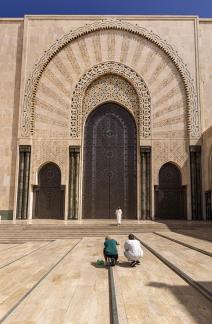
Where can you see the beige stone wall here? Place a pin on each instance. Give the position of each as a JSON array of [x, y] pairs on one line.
[[205, 50], [11, 34], [42, 31], [53, 119]]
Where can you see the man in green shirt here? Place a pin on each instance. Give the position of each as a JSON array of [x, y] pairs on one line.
[[110, 250]]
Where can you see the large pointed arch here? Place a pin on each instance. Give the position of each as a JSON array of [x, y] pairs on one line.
[[32, 83], [125, 77]]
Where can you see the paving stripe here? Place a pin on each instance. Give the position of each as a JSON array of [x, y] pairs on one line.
[[35, 285], [25, 255], [179, 272], [10, 247], [112, 298], [184, 244]]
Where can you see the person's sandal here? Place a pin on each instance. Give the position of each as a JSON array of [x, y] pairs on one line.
[[133, 264]]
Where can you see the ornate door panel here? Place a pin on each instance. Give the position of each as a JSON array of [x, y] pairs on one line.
[[49, 194], [110, 165], [170, 195]]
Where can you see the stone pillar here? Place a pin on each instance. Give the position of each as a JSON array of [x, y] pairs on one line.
[[145, 152], [208, 204], [23, 181], [196, 182], [74, 160]]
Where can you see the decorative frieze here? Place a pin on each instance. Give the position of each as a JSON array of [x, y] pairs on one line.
[[49, 151], [169, 151], [110, 87], [169, 53], [138, 91]]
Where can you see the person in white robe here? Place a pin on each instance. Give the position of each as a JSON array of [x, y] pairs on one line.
[[118, 215], [133, 250]]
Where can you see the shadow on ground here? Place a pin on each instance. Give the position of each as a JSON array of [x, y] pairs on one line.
[[191, 299]]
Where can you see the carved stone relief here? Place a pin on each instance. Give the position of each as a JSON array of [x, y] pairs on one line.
[[111, 87], [28, 113], [49, 151], [169, 151]]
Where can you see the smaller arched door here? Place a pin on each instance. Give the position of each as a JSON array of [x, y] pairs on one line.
[[170, 195], [49, 194]]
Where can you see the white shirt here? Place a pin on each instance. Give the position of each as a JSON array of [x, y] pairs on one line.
[[133, 247]]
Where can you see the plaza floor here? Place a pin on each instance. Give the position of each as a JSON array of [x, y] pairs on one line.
[[58, 281]]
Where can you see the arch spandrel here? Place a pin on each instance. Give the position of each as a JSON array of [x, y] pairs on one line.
[[61, 79]]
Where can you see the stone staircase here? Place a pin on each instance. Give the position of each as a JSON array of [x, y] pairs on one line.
[[19, 233]]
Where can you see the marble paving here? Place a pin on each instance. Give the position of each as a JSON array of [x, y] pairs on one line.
[[153, 293], [195, 264], [195, 242], [58, 282]]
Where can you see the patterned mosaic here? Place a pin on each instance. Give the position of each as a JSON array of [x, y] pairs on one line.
[[111, 87], [169, 151], [49, 151]]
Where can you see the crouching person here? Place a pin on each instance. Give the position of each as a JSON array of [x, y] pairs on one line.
[[133, 250], [110, 250]]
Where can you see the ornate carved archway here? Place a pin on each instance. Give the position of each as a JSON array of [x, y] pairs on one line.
[[111, 81], [49, 194], [170, 195], [32, 83]]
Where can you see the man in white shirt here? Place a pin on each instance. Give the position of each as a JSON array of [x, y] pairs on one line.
[[133, 250]]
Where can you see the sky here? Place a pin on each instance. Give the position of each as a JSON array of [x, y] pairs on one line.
[[19, 8]]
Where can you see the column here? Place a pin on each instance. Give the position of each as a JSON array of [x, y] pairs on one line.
[[145, 152], [74, 160], [208, 204], [23, 181], [196, 182]]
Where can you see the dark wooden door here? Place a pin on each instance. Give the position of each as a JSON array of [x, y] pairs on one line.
[[110, 163], [170, 195], [49, 194]]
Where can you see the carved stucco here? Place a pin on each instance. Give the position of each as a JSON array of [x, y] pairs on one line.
[[49, 151], [170, 151], [28, 113], [111, 81]]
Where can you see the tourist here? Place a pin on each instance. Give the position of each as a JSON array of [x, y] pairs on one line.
[[133, 250], [118, 215], [110, 250]]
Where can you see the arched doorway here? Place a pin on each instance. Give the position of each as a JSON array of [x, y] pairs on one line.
[[170, 195], [110, 163], [49, 194]]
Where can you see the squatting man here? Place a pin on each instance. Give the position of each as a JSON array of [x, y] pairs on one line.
[[132, 250]]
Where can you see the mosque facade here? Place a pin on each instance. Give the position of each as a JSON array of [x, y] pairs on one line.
[[98, 112]]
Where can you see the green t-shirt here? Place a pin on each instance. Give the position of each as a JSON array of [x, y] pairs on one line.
[[110, 247]]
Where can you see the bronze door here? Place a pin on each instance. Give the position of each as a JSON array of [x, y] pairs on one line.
[[170, 195], [49, 194], [110, 163]]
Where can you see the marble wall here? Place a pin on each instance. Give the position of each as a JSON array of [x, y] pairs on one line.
[[28, 43], [11, 35], [205, 50]]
